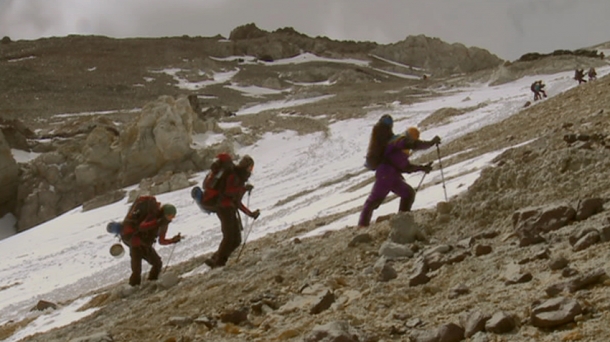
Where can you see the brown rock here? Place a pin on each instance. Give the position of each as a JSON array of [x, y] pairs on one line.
[[577, 283], [419, 276], [574, 237], [488, 234], [474, 322], [589, 207], [558, 263], [234, 316], [555, 312], [450, 333], [604, 234], [458, 290], [325, 301], [333, 331], [586, 241], [424, 336], [568, 272], [43, 305], [457, 257], [387, 273], [529, 223], [500, 323], [482, 250], [521, 278], [435, 261], [360, 238], [466, 243]]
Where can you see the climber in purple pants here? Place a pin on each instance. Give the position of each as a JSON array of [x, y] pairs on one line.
[[388, 175]]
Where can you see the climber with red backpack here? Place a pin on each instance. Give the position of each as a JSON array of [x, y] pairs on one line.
[[223, 189], [145, 221], [208, 196], [388, 174]]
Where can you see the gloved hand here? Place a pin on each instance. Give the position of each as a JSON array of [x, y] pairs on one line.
[[436, 140], [426, 168], [255, 214], [249, 187], [176, 238]]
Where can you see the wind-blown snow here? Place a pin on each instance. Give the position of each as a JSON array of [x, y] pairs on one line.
[[410, 67], [309, 57], [280, 104], [67, 257], [255, 91]]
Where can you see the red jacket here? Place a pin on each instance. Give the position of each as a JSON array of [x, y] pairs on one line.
[[234, 191]]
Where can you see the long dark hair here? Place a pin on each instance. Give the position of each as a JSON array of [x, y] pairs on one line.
[[380, 136]]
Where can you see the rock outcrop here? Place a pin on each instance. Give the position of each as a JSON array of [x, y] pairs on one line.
[[437, 56], [9, 177], [110, 157]]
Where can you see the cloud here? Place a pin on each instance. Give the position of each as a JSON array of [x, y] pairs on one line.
[[507, 28]]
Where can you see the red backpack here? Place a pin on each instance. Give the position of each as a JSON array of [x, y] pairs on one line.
[[209, 195], [141, 209]]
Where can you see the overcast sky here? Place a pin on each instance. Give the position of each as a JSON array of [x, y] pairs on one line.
[[508, 28]]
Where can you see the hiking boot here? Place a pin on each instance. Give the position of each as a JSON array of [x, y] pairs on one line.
[[211, 263]]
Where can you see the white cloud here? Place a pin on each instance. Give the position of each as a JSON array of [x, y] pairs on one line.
[[507, 28]]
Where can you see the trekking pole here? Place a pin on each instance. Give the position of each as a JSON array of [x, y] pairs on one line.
[[438, 151], [247, 231], [420, 182], [170, 257]]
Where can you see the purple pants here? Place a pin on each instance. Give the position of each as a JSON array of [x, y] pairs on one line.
[[386, 180]]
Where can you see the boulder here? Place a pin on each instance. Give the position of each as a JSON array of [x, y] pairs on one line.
[[474, 322], [404, 229], [529, 223], [555, 312], [500, 323], [333, 331], [161, 135]]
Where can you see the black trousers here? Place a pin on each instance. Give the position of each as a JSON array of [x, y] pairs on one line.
[[231, 235], [149, 254]]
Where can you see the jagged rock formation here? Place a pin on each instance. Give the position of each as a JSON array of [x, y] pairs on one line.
[[102, 156], [440, 57]]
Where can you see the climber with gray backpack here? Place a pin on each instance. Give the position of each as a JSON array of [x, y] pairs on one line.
[[392, 159]]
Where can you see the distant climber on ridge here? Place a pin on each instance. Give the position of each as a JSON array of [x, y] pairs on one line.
[[592, 74], [538, 88], [579, 75]]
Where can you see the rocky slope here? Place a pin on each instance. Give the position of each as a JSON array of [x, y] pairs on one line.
[[535, 220], [520, 256]]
